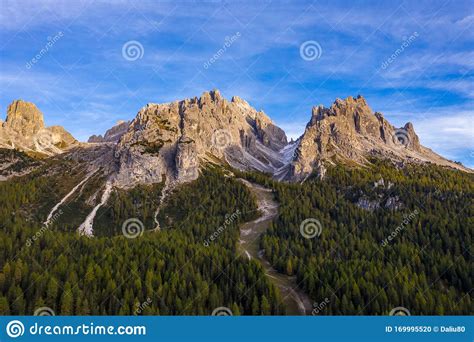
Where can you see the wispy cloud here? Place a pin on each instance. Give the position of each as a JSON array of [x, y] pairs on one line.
[[451, 135], [85, 84]]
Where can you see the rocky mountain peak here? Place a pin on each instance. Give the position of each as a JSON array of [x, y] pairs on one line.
[[24, 118], [407, 137], [172, 139], [24, 130], [208, 97], [112, 135], [240, 102], [349, 132], [350, 105]]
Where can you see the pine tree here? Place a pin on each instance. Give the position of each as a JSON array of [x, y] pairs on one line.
[[67, 301]]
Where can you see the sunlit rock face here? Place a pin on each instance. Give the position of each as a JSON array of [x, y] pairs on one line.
[[24, 129], [173, 140], [350, 132]]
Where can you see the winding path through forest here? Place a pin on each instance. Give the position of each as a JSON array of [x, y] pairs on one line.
[[295, 300]]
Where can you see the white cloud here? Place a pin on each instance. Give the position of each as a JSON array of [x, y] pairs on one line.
[[293, 130], [447, 134]]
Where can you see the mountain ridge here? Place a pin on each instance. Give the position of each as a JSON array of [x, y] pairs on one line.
[[172, 141]]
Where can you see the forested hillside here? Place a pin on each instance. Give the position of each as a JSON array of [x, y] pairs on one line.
[[170, 272], [389, 237], [353, 266]]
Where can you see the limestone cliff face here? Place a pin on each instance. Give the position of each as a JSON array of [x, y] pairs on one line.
[[112, 135], [349, 132], [24, 118], [24, 130], [172, 140]]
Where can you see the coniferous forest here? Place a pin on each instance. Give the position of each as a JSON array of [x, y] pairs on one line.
[[170, 270], [352, 265], [427, 264]]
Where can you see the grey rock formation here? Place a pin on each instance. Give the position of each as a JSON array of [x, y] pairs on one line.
[[24, 130], [24, 118], [112, 135], [172, 140], [350, 132]]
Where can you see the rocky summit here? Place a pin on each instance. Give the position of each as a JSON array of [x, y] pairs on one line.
[[24, 130], [350, 132], [173, 141], [112, 135]]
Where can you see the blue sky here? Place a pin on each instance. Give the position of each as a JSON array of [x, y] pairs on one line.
[[85, 81]]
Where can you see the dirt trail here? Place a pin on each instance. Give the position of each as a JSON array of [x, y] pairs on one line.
[[295, 300]]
